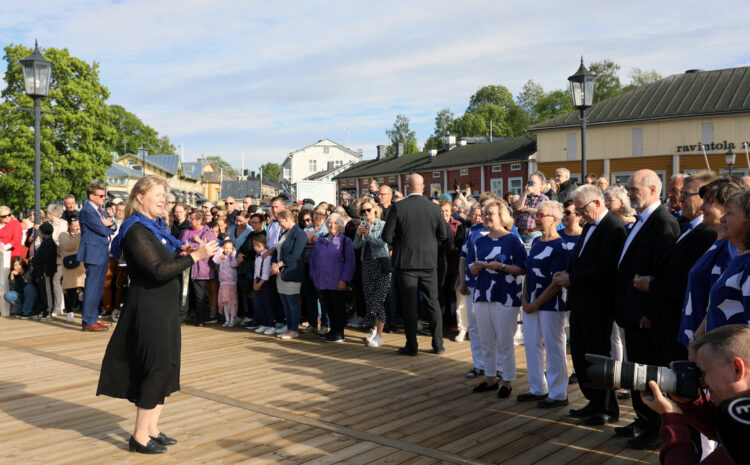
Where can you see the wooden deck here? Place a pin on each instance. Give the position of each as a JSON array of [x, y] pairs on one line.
[[249, 398]]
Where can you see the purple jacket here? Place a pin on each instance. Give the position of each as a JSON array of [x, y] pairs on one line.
[[329, 264], [203, 269]]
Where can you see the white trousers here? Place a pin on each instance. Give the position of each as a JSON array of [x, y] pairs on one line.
[[550, 327], [462, 318], [475, 339], [497, 326], [57, 291], [618, 343]]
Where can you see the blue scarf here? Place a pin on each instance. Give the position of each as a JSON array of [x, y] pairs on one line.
[[157, 227]]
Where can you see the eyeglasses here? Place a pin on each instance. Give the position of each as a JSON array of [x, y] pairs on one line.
[[366, 210], [687, 195], [308, 220], [543, 215], [568, 213], [579, 210], [5, 216], [101, 196]]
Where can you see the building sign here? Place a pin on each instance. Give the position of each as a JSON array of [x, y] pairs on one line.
[[713, 146]]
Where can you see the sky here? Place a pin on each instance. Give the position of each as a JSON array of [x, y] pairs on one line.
[[267, 78]]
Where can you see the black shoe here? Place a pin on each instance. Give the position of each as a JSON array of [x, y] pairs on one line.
[[405, 351], [438, 351], [484, 387], [552, 403], [164, 440], [504, 392], [333, 338], [584, 412], [528, 397], [390, 329], [573, 379], [152, 447], [646, 441], [474, 372], [599, 419], [211, 321], [631, 430]]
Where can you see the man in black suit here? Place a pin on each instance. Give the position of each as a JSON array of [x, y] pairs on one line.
[[414, 229], [651, 237], [666, 289], [589, 279]]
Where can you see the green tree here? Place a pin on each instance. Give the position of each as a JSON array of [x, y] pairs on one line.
[[75, 139], [434, 142], [443, 122], [271, 171], [493, 94], [220, 164], [470, 125], [401, 133], [641, 77], [527, 99], [132, 134], [607, 83], [553, 104]]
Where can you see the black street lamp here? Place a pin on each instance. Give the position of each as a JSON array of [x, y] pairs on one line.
[[730, 158], [37, 73], [582, 92]]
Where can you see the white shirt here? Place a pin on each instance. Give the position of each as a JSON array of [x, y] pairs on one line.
[[591, 230], [262, 267], [644, 215], [695, 222]]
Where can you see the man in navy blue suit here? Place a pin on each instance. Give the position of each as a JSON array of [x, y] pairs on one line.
[[94, 253]]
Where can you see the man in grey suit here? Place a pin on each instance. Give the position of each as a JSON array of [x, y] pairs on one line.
[[414, 229]]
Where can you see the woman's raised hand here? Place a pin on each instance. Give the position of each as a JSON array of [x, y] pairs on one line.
[[206, 249]]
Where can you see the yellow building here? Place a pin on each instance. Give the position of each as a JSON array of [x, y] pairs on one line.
[[664, 126]]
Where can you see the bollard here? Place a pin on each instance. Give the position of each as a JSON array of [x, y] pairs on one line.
[[4, 272]]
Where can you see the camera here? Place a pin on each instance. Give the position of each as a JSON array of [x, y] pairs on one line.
[[363, 221], [683, 379]]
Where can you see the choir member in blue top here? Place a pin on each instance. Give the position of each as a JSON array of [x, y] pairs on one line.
[[545, 312], [498, 260], [571, 221], [729, 300], [713, 263]]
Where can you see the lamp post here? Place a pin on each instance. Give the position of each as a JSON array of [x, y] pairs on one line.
[[582, 92], [730, 158], [37, 73]]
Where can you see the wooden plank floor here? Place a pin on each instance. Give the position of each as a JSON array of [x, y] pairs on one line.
[[248, 398]]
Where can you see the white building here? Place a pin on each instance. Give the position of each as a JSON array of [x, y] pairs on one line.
[[322, 155]]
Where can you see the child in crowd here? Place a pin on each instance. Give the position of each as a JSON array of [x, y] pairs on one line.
[[227, 263], [43, 267], [22, 293], [261, 289]]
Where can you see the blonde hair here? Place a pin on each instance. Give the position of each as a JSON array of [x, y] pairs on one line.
[[505, 217], [375, 208], [285, 214], [143, 186]]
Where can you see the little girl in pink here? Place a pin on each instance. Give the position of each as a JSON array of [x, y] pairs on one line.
[[227, 263]]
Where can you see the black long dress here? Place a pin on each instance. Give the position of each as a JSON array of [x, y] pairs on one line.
[[142, 360]]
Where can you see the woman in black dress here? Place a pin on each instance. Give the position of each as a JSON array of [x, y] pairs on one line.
[[142, 361]]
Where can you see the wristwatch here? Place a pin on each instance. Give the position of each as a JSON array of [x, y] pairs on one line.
[[503, 268]]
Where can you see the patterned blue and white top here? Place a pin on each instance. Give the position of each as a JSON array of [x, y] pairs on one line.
[[475, 232], [569, 242], [496, 285], [729, 300], [544, 260], [702, 276]]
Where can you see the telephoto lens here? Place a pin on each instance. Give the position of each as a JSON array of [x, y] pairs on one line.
[[682, 379]]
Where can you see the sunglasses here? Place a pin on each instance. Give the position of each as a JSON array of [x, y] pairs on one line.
[[307, 220], [5, 216], [568, 213], [101, 196], [366, 210], [229, 203]]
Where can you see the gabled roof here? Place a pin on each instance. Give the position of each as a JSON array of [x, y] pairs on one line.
[[323, 173], [502, 151], [695, 93], [117, 169], [345, 149]]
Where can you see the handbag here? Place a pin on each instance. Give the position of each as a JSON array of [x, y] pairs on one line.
[[70, 261]]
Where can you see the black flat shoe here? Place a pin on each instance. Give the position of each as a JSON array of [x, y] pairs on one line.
[[405, 351], [152, 447], [164, 440], [584, 412], [484, 387], [599, 419], [504, 392]]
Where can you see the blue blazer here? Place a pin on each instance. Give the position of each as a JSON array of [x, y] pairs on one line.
[[291, 254], [94, 248]]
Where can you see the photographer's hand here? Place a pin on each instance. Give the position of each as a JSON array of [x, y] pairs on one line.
[[659, 403]]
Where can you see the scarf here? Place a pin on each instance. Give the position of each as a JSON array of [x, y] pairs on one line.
[[157, 227]]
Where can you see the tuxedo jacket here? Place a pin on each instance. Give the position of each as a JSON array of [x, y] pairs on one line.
[[592, 271], [94, 248], [414, 229], [646, 251]]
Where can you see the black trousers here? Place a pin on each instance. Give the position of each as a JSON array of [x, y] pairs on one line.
[[310, 300], [640, 347], [71, 299], [335, 303], [198, 298], [278, 308], [408, 282], [590, 333]]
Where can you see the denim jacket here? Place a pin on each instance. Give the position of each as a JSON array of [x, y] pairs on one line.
[[377, 245]]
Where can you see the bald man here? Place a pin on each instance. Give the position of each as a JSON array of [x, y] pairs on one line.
[[414, 229]]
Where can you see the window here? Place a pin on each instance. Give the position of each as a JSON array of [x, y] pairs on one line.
[[515, 167], [464, 172], [338, 163], [572, 149], [351, 182], [637, 142], [326, 150], [380, 180], [391, 179], [515, 185], [436, 174], [496, 186], [497, 168], [287, 173], [312, 165], [435, 189]]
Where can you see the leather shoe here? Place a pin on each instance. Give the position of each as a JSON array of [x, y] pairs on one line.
[[405, 351], [552, 403], [647, 441], [630, 430], [484, 387], [101, 323], [164, 440], [528, 397], [152, 447], [97, 328], [504, 392], [584, 412], [599, 419], [438, 351]]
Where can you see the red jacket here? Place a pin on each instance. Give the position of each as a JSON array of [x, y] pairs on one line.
[[676, 446], [11, 235]]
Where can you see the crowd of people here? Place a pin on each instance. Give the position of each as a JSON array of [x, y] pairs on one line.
[[611, 270]]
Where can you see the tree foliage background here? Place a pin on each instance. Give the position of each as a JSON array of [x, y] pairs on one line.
[[77, 138]]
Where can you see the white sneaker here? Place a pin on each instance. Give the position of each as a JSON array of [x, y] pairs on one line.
[[246, 320], [376, 342], [260, 329], [70, 318], [372, 336], [57, 312], [280, 328], [461, 336], [269, 331]]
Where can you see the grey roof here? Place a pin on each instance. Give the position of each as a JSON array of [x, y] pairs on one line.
[[501, 151], [696, 93], [117, 169], [192, 169], [168, 163], [323, 173]]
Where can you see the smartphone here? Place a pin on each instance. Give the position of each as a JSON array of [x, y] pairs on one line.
[[531, 183]]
